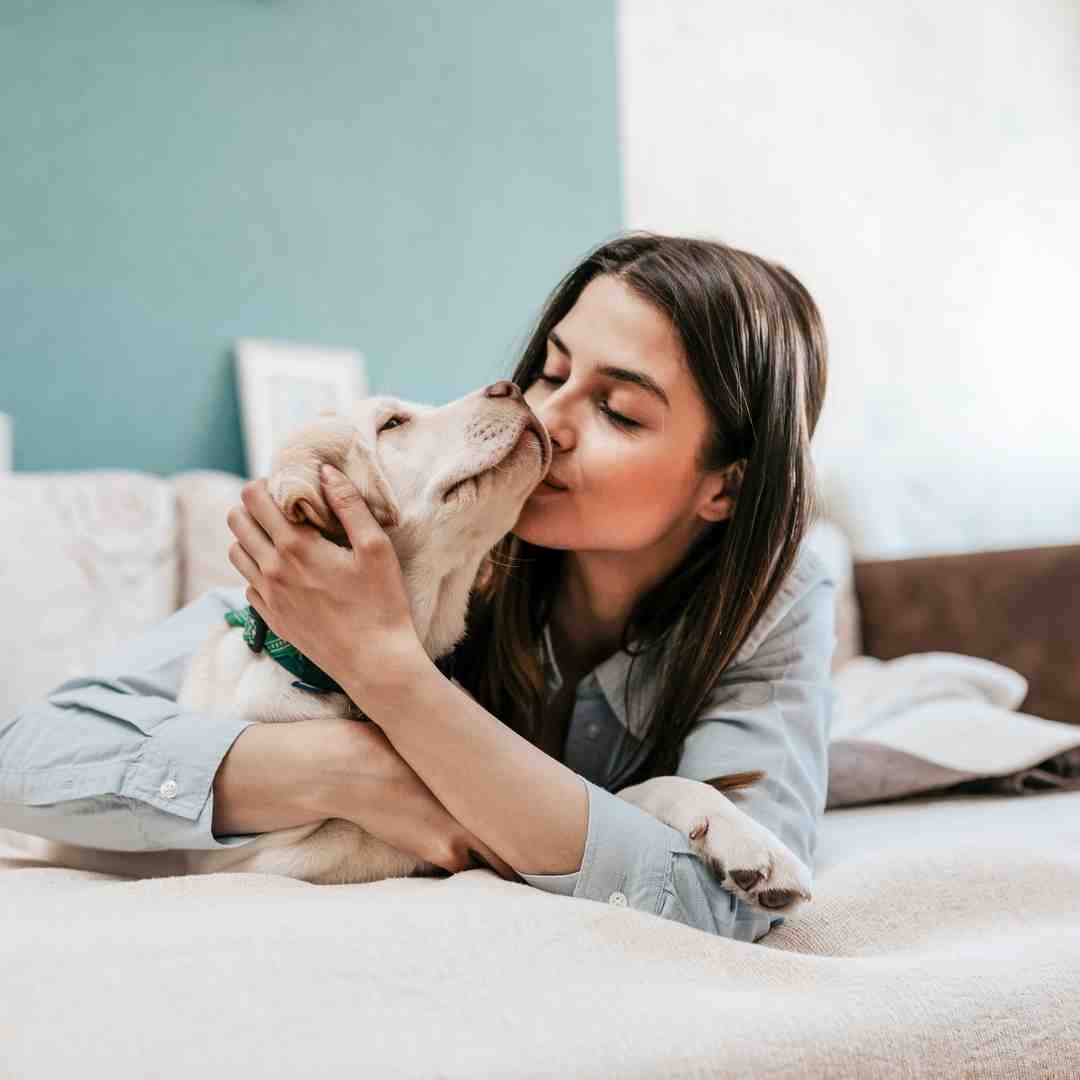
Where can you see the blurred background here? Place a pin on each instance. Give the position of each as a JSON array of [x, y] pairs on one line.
[[405, 178], [410, 179]]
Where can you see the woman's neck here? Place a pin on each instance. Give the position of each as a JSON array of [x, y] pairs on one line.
[[579, 646], [597, 591], [593, 601]]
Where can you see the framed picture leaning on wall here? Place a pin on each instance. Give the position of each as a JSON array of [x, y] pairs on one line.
[[283, 385]]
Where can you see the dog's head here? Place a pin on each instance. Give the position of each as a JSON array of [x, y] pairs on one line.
[[447, 480]]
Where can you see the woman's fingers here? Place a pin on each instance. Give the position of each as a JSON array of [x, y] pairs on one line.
[[252, 539], [260, 505], [244, 563]]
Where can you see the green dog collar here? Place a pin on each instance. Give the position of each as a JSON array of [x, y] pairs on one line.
[[259, 636]]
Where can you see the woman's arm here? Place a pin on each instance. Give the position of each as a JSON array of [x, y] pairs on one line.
[[529, 808], [773, 713], [108, 760], [377, 789], [276, 776], [571, 838]]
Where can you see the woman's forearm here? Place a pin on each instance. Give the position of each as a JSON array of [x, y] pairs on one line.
[[277, 776], [528, 808]]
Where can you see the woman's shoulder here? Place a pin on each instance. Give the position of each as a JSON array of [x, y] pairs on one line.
[[810, 587]]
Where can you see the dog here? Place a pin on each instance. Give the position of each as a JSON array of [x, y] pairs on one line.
[[446, 483]]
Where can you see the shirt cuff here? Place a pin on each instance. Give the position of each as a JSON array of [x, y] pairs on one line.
[[634, 860], [627, 860], [171, 782]]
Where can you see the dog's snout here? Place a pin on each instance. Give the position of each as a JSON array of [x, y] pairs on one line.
[[503, 388]]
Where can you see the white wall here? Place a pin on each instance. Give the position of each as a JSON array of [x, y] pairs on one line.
[[918, 167]]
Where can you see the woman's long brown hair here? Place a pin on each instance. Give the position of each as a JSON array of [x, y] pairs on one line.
[[755, 344]]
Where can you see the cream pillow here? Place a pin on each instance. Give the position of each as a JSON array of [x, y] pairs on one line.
[[203, 499], [828, 541]]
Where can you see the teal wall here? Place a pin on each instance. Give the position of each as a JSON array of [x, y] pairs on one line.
[[406, 178]]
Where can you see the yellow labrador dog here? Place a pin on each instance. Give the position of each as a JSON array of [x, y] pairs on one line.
[[446, 483]]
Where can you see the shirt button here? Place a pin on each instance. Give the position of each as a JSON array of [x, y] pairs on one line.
[[617, 899], [168, 789], [592, 730]]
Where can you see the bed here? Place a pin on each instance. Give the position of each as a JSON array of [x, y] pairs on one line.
[[943, 938]]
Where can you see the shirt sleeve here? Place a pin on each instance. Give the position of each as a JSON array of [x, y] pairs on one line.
[[107, 760], [773, 713]]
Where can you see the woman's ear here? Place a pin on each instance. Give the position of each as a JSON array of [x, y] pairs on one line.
[[721, 492]]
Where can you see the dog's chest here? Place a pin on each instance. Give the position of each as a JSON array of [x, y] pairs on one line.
[[226, 677]]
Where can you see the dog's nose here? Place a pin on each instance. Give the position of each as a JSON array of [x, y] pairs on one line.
[[503, 388]]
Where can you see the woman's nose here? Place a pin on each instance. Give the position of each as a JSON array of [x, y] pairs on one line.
[[503, 388]]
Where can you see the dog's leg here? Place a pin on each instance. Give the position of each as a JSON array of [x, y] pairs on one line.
[[749, 860]]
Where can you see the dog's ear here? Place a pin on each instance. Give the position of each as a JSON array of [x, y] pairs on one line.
[[361, 463], [296, 487], [362, 468]]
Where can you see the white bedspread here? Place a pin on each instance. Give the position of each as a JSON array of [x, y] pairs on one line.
[[943, 940]]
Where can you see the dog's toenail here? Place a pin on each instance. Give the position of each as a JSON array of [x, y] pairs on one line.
[[746, 879], [775, 898]]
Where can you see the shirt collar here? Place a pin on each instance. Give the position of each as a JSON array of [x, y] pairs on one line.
[[612, 674]]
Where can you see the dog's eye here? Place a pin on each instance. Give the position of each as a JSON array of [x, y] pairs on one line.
[[395, 420]]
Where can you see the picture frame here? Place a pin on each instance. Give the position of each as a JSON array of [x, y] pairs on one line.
[[283, 385]]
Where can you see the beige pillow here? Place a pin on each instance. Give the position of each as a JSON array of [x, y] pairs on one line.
[[203, 498], [88, 560]]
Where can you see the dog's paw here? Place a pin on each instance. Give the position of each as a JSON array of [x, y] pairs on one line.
[[747, 858], [750, 862]]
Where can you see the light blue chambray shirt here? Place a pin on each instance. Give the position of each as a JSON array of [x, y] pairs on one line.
[[107, 760]]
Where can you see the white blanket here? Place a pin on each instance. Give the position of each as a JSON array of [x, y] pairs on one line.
[[943, 940], [931, 720]]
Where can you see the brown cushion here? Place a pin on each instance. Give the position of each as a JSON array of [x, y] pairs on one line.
[[1020, 608]]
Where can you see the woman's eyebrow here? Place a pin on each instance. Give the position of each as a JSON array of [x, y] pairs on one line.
[[637, 378]]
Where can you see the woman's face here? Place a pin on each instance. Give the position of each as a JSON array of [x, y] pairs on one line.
[[629, 487]]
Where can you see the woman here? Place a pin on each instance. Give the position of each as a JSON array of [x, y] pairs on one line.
[[658, 614]]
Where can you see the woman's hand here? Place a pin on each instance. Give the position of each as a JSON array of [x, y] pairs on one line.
[[346, 609]]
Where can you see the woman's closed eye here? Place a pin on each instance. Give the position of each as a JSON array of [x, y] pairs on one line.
[[616, 418]]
